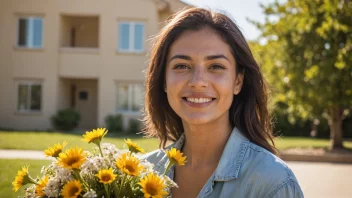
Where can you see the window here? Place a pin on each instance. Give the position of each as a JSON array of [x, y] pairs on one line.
[[29, 96], [130, 97], [131, 37], [30, 32]]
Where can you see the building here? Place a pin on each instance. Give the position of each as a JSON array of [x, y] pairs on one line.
[[85, 54]]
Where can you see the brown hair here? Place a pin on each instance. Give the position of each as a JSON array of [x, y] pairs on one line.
[[248, 111]]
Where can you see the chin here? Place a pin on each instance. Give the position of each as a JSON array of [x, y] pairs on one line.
[[198, 120]]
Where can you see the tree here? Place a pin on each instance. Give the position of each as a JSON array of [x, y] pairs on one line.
[[308, 58]]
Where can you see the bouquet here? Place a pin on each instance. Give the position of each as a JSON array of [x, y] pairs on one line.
[[103, 172]]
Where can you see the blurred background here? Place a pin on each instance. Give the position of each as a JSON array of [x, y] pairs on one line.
[[70, 66]]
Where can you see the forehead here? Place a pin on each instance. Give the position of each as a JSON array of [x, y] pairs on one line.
[[200, 42]]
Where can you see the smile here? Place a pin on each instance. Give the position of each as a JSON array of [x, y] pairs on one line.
[[199, 100]]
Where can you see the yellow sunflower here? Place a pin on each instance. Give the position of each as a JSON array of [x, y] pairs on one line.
[[133, 147], [152, 186], [55, 150], [106, 176], [72, 189], [73, 158], [39, 187], [176, 157], [129, 164], [22, 178], [95, 136]]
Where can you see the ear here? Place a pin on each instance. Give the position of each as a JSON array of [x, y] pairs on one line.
[[238, 83], [165, 87]]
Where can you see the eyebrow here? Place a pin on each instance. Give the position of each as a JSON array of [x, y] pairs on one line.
[[212, 57]]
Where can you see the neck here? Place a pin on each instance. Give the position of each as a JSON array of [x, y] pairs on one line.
[[205, 143]]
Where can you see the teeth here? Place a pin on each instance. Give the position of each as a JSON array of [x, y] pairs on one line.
[[198, 100]]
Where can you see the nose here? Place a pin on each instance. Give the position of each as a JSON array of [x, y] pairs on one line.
[[198, 78]]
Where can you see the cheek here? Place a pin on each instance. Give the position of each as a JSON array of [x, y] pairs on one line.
[[225, 84], [173, 82], [172, 87]]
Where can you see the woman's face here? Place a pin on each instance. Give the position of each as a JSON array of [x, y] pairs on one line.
[[201, 77]]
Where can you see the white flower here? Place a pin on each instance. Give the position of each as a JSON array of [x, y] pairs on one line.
[[90, 194], [30, 192], [52, 189], [93, 165], [49, 170], [110, 150], [170, 183], [63, 174], [148, 167]]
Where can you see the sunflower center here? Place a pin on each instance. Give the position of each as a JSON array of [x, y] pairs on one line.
[[57, 152], [106, 177], [130, 168], [73, 160], [73, 190], [151, 189]]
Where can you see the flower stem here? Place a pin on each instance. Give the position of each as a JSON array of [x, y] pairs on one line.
[[106, 186], [115, 189], [122, 183], [29, 180], [168, 167], [101, 152], [78, 176]]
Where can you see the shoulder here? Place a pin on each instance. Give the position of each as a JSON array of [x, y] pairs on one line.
[[155, 156], [270, 173], [267, 163]]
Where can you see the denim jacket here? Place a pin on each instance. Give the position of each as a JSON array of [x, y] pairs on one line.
[[244, 170]]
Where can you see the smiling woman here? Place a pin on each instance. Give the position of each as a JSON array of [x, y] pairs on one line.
[[205, 92]]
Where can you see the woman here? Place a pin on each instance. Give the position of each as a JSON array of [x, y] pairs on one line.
[[205, 92]]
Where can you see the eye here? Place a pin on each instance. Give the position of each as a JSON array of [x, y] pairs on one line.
[[180, 66], [216, 67]]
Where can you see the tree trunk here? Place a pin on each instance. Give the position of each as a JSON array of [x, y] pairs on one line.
[[335, 124]]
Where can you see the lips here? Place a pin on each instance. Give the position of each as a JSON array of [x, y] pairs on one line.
[[198, 100]]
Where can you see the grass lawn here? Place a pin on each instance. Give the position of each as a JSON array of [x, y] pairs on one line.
[[303, 142], [43, 140], [8, 171]]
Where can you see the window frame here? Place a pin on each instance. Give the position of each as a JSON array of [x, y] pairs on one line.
[[28, 83], [130, 98], [30, 36], [131, 42]]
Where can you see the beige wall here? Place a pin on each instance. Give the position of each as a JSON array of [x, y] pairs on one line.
[[53, 63]]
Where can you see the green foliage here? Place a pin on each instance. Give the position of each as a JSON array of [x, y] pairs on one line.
[[307, 58], [114, 123], [134, 126], [66, 119]]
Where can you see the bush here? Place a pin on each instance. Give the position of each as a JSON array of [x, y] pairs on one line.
[[114, 123], [134, 126], [66, 119]]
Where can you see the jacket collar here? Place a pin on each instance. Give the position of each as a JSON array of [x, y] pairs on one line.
[[231, 159]]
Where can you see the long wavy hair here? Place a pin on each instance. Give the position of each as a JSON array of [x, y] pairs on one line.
[[248, 111]]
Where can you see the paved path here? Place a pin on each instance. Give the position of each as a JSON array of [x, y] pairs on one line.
[[23, 154], [324, 180], [318, 180]]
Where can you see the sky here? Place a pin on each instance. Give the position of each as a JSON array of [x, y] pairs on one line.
[[239, 10]]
